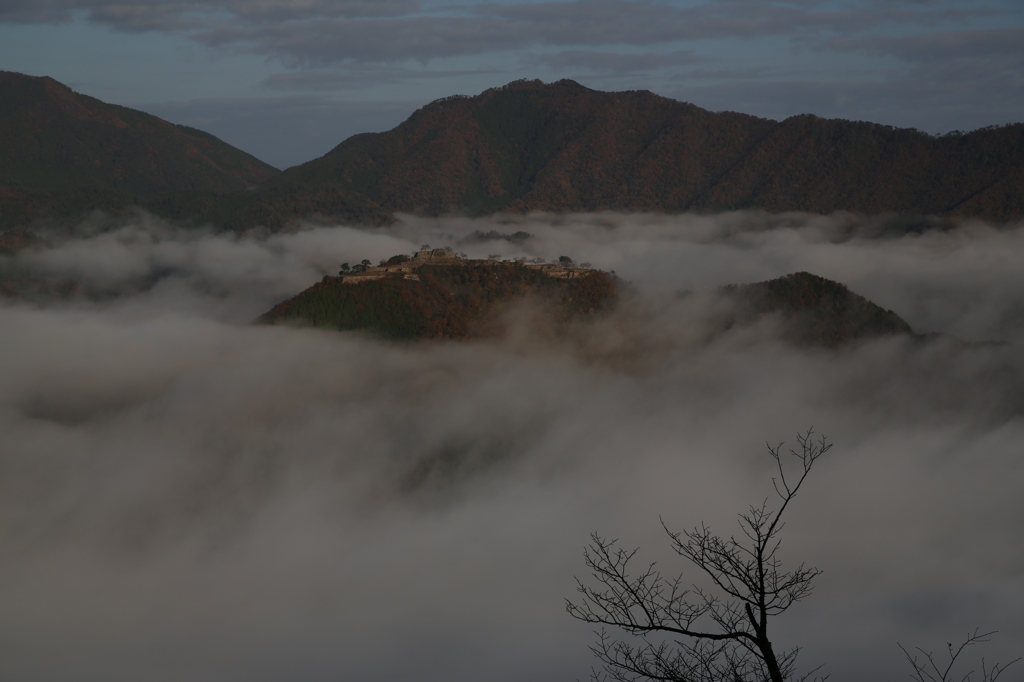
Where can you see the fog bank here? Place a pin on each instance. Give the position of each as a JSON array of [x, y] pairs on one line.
[[186, 496]]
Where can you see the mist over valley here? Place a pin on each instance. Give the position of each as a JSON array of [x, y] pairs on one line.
[[189, 495]]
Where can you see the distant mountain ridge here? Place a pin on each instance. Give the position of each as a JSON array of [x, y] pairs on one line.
[[64, 153], [526, 146], [57, 140], [530, 146]]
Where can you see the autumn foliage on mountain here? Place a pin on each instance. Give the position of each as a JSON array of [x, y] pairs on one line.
[[529, 146]]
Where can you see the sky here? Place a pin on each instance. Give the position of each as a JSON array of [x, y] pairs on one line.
[[287, 80], [188, 496]]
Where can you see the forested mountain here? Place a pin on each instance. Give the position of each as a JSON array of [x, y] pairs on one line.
[[527, 146], [563, 147], [64, 154], [57, 140]]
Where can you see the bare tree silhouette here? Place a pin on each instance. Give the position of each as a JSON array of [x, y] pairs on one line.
[[675, 632], [930, 670]]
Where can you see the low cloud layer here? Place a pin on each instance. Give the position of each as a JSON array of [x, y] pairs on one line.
[[188, 496]]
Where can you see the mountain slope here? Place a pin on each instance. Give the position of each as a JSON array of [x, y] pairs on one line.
[[563, 147], [64, 155], [56, 140], [448, 298], [815, 311]]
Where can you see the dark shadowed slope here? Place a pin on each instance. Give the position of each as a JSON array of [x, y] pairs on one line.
[[455, 298], [523, 147], [64, 155], [563, 147], [448, 298], [57, 140], [815, 311]]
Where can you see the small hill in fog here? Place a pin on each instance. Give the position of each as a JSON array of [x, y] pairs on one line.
[[815, 311], [438, 295]]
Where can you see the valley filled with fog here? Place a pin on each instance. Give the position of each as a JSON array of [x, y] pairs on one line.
[[187, 495]]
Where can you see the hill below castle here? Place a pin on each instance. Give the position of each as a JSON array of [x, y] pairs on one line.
[[437, 294]]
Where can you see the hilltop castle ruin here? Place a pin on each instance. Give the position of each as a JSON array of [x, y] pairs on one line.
[[445, 256]]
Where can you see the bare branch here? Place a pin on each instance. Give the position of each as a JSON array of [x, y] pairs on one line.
[[931, 670], [689, 634]]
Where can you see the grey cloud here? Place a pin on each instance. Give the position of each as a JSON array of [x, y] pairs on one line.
[[167, 15], [188, 496], [146, 17], [286, 10], [505, 27], [594, 18], [496, 28], [31, 11], [318, 32], [613, 62], [356, 77], [726, 74], [176, 15], [391, 40], [936, 98], [975, 76], [944, 45]]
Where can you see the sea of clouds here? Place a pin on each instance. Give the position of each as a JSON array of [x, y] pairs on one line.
[[186, 495]]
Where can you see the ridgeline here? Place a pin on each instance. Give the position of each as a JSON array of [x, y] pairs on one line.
[[815, 311], [530, 146], [526, 146], [63, 154]]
